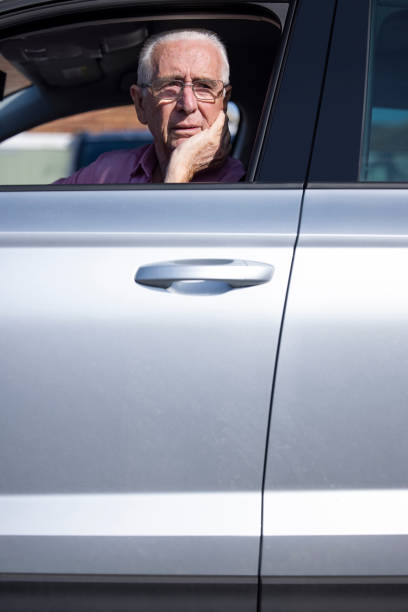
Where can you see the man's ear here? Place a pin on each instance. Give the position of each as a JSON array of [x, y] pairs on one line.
[[227, 97], [136, 93]]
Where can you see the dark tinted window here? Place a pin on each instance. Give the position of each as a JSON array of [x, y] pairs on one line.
[[385, 142]]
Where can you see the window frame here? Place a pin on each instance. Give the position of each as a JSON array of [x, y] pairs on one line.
[[275, 161], [345, 91], [281, 161]]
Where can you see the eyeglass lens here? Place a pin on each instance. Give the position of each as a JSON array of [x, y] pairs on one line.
[[204, 89]]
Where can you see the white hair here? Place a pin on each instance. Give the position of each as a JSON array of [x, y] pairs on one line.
[[145, 69]]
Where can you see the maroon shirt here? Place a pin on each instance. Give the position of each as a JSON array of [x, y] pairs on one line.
[[137, 166]]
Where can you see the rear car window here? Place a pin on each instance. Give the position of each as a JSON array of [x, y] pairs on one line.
[[385, 139]]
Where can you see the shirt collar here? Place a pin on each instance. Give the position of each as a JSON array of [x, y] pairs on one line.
[[146, 164]]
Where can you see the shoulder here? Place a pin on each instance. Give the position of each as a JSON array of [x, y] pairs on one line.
[[232, 171], [110, 167]]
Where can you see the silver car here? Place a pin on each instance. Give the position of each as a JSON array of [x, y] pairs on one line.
[[204, 388]]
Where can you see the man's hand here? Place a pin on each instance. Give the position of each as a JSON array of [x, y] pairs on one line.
[[210, 147]]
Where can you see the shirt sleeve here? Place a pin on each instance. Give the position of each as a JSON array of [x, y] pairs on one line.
[[234, 171]]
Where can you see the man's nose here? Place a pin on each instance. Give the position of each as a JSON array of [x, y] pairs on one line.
[[187, 100]]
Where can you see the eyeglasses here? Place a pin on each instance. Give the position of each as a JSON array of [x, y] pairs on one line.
[[168, 90]]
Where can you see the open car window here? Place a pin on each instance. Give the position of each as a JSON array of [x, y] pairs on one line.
[[86, 70], [61, 147]]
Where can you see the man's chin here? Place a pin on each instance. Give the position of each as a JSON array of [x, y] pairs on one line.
[[181, 136], [176, 142]]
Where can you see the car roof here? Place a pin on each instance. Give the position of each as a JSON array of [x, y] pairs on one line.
[[20, 6]]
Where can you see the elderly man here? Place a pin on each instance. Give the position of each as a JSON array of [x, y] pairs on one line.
[[181, 95]]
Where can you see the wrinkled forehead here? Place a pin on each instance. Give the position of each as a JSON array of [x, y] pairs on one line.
[[187, 59]]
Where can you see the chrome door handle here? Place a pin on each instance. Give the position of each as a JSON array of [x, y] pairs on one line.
[[234, 272]]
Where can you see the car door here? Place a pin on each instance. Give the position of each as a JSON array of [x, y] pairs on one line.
[[335, 514], [140, 329]]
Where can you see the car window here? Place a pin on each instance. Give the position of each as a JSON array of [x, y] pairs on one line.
[[75, 75], [59, 148], [385, 140]]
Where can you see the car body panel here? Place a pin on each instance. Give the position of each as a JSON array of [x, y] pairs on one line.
[[336, 497], [144, 408]]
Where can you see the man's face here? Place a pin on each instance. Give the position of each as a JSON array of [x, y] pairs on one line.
[[173, 122]]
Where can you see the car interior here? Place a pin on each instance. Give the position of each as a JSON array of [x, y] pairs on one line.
[[90, 63]]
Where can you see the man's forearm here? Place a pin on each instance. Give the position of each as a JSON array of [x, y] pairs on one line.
[[178, 172]]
